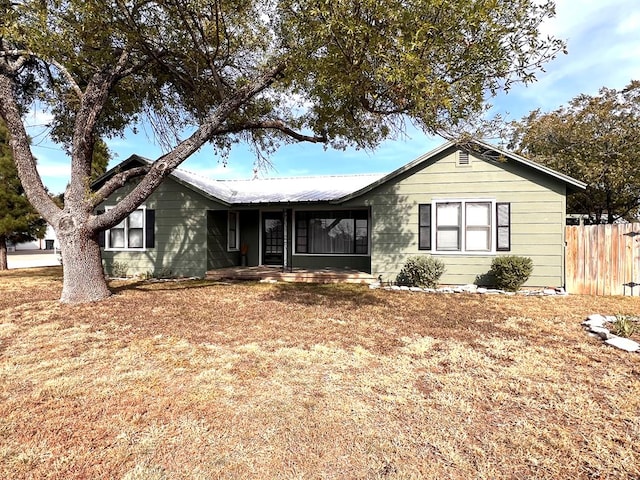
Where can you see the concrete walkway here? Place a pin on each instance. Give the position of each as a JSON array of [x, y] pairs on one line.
[[32, 258]]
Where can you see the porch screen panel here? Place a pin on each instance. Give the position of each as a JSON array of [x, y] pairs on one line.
[[340, 232]]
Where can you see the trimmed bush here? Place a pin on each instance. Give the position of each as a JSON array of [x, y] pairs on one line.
[[421, 271], [511, 271]]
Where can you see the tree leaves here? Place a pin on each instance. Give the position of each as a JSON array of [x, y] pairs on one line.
[[594, 139]]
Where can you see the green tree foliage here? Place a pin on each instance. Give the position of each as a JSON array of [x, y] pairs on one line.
[[19, 221], [594, 139], [337, 72]]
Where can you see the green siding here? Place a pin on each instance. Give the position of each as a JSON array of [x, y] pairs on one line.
[[180, 234], [537, 216], [218, 256]]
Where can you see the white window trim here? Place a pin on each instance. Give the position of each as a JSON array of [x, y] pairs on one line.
[[463, 240], [107, 236], [237, 246], [295, 252]]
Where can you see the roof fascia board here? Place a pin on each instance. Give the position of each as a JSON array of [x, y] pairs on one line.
[[577, 184], [572, 182], [144, 160], [422, 158]]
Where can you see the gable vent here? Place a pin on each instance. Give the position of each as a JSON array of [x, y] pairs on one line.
[[463, 158]]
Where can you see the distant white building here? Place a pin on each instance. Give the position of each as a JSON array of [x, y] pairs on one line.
[[48, 242]]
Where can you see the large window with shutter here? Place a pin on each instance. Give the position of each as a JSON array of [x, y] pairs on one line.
[[470, 226], [133, 233]]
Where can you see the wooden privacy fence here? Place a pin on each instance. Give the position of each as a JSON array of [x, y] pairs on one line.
[[603, 259]]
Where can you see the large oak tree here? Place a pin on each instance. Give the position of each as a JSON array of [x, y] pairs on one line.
[[593, 138], [340, 72]]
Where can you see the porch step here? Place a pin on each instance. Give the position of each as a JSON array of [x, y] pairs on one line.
[[296, 275]]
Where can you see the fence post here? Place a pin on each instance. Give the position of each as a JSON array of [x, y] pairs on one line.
[[632, 283]]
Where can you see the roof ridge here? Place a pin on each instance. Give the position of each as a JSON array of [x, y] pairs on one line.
[[294, 177]]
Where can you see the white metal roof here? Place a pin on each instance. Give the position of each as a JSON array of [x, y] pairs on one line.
[[329, 188], [275, 190]]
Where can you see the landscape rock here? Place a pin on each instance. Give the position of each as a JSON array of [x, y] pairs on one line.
[[471, 288], [595, 320], [594, 325], [602, 332], [623, 344]]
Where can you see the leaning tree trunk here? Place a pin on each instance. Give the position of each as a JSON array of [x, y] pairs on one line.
[[83, 276], [3, 253]]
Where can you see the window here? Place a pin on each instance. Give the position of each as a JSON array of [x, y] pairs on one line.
[[448, 225], [233, 238], [465, 226], [136, 232], [337, 232], [478, 226]]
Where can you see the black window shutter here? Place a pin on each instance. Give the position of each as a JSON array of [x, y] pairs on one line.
[[424, 226], [503, 227], [150, 228], [101, 233]]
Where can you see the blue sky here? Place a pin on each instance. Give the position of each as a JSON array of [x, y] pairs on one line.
[[603, 39]]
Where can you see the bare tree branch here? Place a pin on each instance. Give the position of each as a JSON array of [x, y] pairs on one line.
[[117, 181], [273, 125]]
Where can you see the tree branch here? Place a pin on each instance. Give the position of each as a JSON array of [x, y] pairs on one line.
[[68, 77], [22, 156], [117, 181], [166, 164], [273, 125]]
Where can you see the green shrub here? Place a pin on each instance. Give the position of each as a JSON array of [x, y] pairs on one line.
[[511, 271], [421, 271], [624, 326], [119, 269]]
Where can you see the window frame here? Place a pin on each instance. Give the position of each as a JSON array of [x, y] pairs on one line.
[[125, 221], [297, 214], [492, 229], [236, 230]]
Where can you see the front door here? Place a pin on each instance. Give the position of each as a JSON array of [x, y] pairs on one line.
[[272, 238]]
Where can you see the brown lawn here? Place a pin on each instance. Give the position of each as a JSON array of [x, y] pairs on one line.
[[194, 380]]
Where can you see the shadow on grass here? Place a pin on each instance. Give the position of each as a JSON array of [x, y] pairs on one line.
[[142, 285], [54, 273], [323, 294]]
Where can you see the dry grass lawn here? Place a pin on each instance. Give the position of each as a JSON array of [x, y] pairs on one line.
[[195, 380]]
